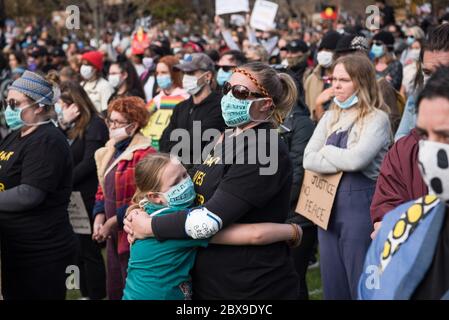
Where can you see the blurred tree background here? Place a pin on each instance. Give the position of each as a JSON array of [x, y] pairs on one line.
[[168, 10]]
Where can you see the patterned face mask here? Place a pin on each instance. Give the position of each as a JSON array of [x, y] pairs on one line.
[[434, 166], [235, 111], [181, 195]]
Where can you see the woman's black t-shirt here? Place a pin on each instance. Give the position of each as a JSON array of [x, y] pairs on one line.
[[247, 272], [42, 234]]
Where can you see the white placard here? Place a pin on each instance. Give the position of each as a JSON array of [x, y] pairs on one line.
[[237, 20], [231, 6], [263, 15], [79, 218]]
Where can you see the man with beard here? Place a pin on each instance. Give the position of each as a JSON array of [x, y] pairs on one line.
[[296, 60], [399, 179]]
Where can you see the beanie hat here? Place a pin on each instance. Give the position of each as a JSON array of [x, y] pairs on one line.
[[329, 40], [36, 88], [95, 58], [352, 42], [386, 38], [297, 45]]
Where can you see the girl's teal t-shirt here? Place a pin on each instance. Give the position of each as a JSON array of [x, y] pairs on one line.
[[160, 270]]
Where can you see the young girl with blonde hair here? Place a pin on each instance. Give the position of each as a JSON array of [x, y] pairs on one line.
[[160, 270]]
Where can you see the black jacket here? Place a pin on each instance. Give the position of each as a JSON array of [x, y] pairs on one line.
[[184, 114], [84, 169], [296, 131]]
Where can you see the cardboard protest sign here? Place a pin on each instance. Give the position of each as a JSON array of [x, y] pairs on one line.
[[263, 15], [79, 218], [231, 6], [317, 197]]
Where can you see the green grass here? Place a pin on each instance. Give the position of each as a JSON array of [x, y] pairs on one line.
[[313, 279], [73, 295], [313, 282]]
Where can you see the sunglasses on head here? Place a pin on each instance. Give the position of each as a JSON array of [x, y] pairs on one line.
[[240, 91]]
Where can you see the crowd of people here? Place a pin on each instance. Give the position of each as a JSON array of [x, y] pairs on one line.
[[106, 120]]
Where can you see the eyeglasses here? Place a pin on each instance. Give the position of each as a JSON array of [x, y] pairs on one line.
[[116, 123], [11, 102], [240, 91]]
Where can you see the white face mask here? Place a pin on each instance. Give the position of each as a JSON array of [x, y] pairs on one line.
[[114, 80], [86, 72], [119, 134], [414, 54], [190, 84], [325, 58], [434, 166], [284, 63]]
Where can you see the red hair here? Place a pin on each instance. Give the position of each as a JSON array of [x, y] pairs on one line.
[[132, 109], [176, 75]]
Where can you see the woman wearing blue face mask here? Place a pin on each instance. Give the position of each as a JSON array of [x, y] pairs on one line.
[[37, 239], [415, 40], [352, 137], [169, 81], [410, 58], [229, 190], [387, 66], [124, 79], [228, 61]]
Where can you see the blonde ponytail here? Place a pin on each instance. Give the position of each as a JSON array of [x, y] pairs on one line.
[[287, 98]]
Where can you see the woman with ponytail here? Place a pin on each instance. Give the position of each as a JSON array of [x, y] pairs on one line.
[[246, 178]]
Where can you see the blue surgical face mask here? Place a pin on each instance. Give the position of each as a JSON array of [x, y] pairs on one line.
[[164, 82], [410, 40], [223, 76], [377, 50], [352, 100], [182, 195], [58, 109], [236, 112], [13, 118]]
